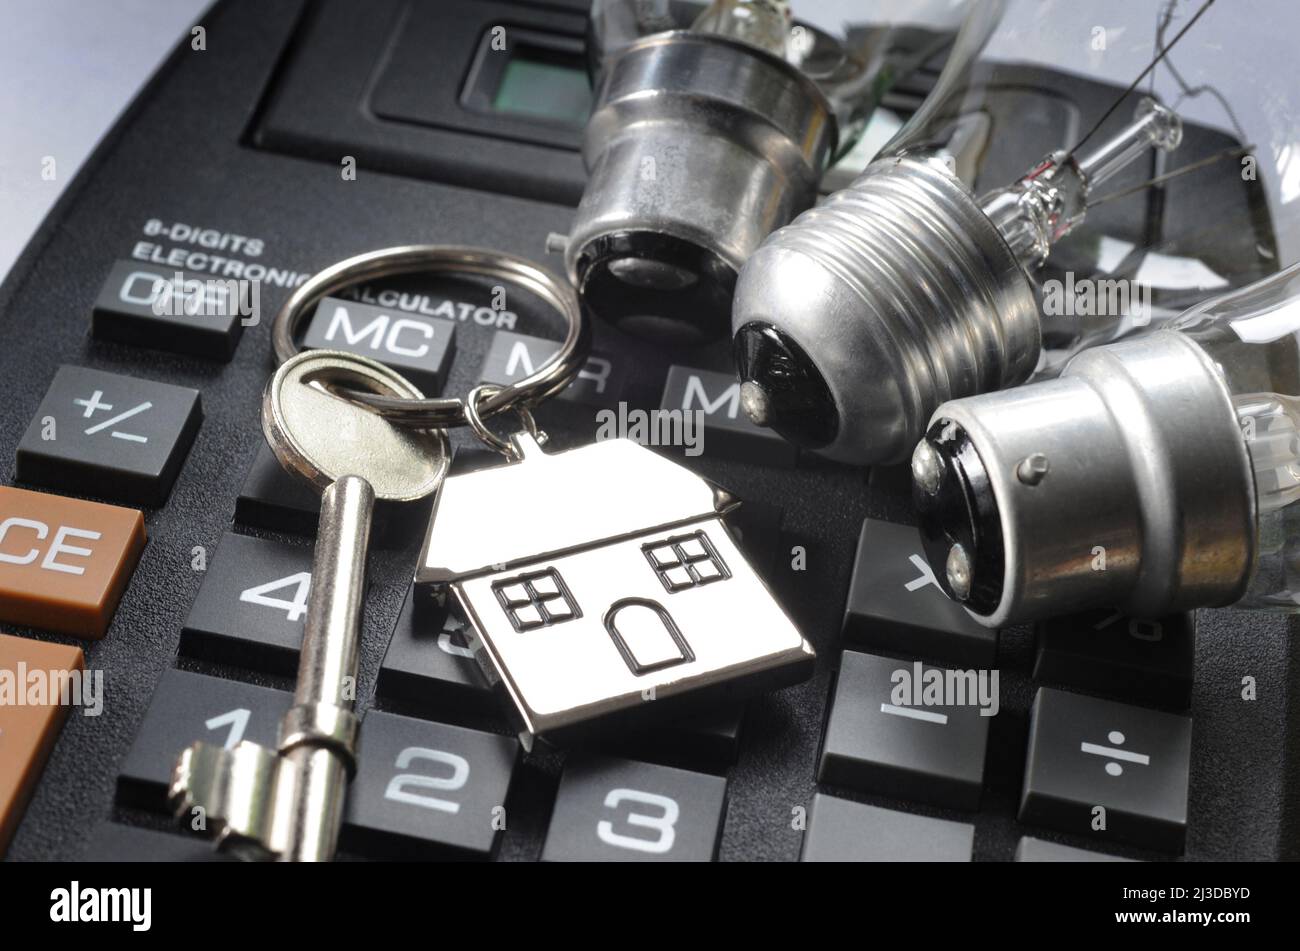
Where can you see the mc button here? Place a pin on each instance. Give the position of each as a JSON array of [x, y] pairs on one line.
[[64, 563]]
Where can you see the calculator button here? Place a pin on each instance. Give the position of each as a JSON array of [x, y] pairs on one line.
[[187, 707], [1037, 850], [844, 831], [756, 526], [28, 729], [165, 309], [423, 787], [615, 810], [727, 431], [251, 604], [64, 563], [896, 605], [1105, 652], [511, 357], [705, 739], [1087, 755], [111, 842], [271, 498], [910, 751], [429, 661], [418, 347], [109, 436], [708, 736]]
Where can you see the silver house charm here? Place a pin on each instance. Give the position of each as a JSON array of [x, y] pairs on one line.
[[600, 584]]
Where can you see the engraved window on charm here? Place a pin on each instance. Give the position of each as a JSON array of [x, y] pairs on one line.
[[537, 599], [685, 561]]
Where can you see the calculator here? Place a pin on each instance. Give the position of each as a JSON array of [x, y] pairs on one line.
[[151, 544]]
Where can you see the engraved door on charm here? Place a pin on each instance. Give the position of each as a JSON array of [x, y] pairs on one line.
[[643, 629]]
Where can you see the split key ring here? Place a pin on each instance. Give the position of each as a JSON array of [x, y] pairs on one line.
[[447, 412]]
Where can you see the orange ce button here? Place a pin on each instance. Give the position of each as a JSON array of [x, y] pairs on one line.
[[64, 563]]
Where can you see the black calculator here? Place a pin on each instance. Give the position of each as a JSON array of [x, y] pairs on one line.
[[151, 544]]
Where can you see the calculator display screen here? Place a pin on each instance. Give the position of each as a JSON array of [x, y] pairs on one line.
[[543, 84]]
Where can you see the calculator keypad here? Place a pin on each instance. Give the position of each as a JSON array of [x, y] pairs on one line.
[[708, 740], [418, 347], [187, 707], [1107, 653], [251, 604], [843, 831], [65, 563], [726, 430], [423, 787], [429, 661], [929, 753], [612, 810], [271, 498], [28, 731], [1030, 849], [1107, 770], [109, 436], [145, 305], [896, 605], [111, 842], [513, 356], [756, 526]]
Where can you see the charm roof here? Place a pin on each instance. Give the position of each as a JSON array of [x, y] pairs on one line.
[[547, 504]]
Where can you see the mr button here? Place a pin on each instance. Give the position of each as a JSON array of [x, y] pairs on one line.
[[64, 563], [109, 436], [512, 357]]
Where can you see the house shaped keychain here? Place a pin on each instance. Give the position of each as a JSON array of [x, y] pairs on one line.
[[600, 585]]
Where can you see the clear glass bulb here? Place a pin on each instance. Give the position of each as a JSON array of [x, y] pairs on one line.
[[1153, 475], [1253, 338], [1077, 173], [765, 24], [1051, 199], [714, 124]]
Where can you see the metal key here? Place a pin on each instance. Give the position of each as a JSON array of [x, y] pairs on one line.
[[287, 804]]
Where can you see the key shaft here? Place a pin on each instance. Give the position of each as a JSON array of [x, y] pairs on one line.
[[318, 734], [327, 665]]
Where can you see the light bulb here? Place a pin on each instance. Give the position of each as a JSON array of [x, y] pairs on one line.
[[713, 125], [1157, 474], [1087, 143]]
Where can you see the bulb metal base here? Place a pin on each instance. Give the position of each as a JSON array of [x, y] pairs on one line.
[[699, 146], [1125, 483], [900, 294]]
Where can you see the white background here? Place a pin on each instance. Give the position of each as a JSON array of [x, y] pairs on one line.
[[67, 70], [69, 67]]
